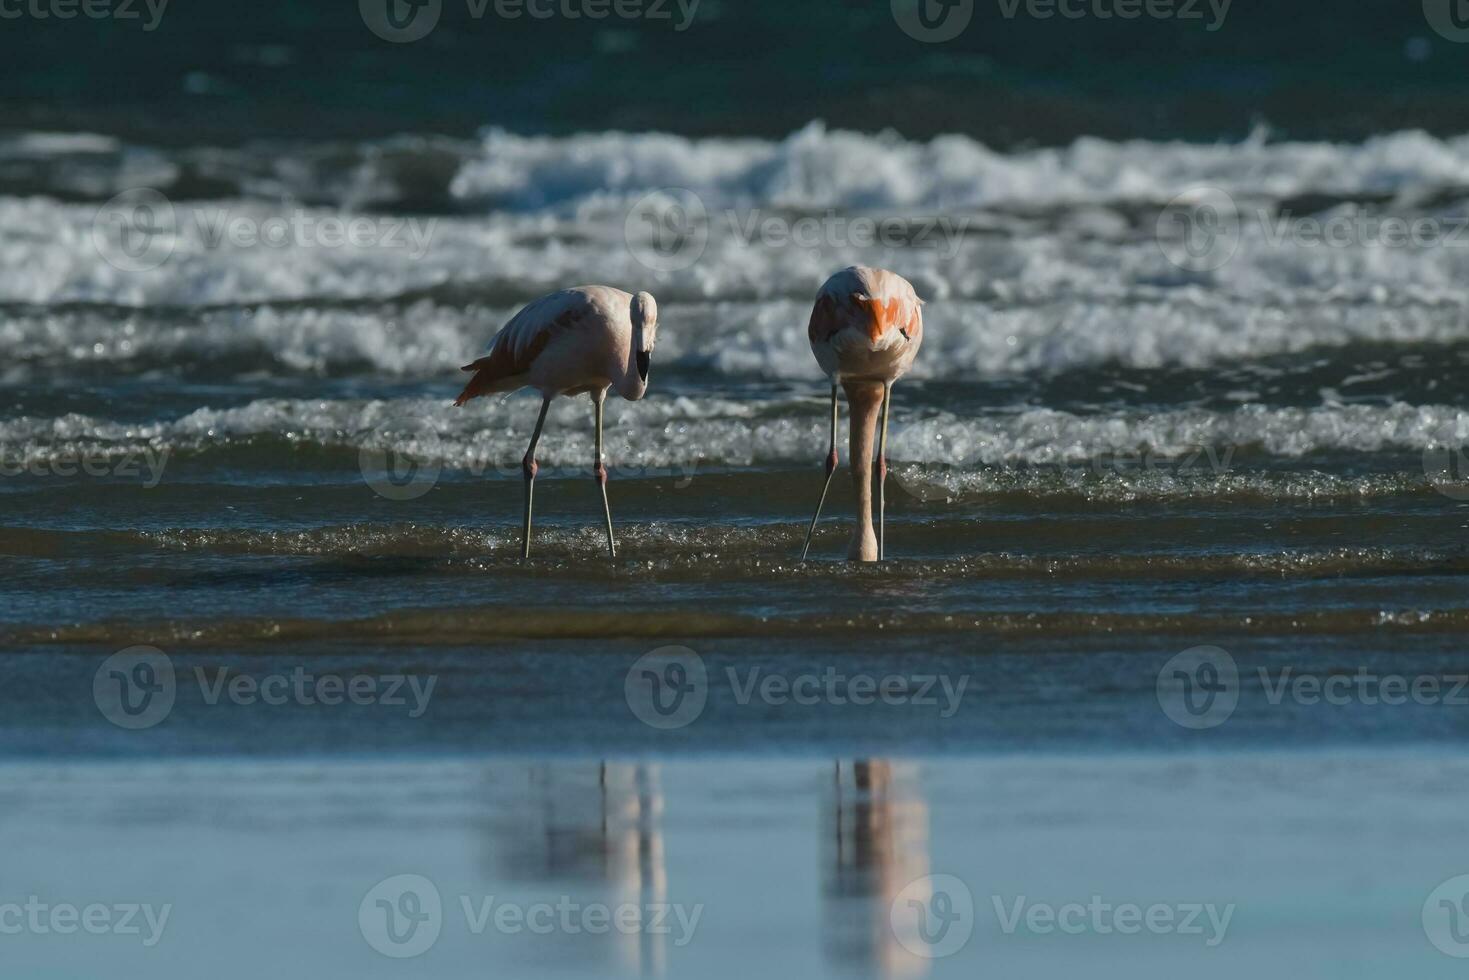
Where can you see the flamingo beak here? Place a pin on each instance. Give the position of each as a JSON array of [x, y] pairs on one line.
[[645, 364], [877, 321]]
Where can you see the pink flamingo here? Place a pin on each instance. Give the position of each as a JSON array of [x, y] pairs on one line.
[[865, 332], [576, 341]]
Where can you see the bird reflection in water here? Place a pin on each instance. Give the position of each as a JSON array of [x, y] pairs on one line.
[[592, 827], [877, 840]]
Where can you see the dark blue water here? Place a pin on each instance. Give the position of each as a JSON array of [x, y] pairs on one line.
[[217, 70]]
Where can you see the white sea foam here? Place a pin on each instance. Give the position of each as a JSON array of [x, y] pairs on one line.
[[423, 339], [817, 167], [1029, 294], [685, 433]]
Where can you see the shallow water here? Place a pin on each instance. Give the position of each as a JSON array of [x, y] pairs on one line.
[[238, 470], [772, 865], [1094, 436]]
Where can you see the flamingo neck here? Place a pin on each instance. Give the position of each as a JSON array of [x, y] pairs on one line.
[[630, 385], [865, 398]]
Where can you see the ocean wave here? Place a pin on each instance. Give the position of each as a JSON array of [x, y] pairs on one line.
[[424, 338], [815, 167], [683, 434], [1022, 291], [529, 214]]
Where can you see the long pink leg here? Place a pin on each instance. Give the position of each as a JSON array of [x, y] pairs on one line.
[[882, 476], [598, 397]]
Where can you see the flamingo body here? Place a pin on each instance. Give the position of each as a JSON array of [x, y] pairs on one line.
[[577, 341], [570, 342]]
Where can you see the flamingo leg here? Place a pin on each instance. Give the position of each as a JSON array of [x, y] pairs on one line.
[[882, 475], [529, 467], [831, 468], [598, 398]]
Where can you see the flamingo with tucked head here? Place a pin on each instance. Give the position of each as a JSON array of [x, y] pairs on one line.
[[865, 331], [577, 341]]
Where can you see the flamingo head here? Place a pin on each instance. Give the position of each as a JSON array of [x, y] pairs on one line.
[[644, 336], [887, 323]]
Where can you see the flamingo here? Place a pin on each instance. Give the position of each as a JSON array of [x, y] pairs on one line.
[[576, 341], [865, 331]]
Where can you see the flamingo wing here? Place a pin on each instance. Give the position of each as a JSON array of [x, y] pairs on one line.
[[826, 320], [516, 347]]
